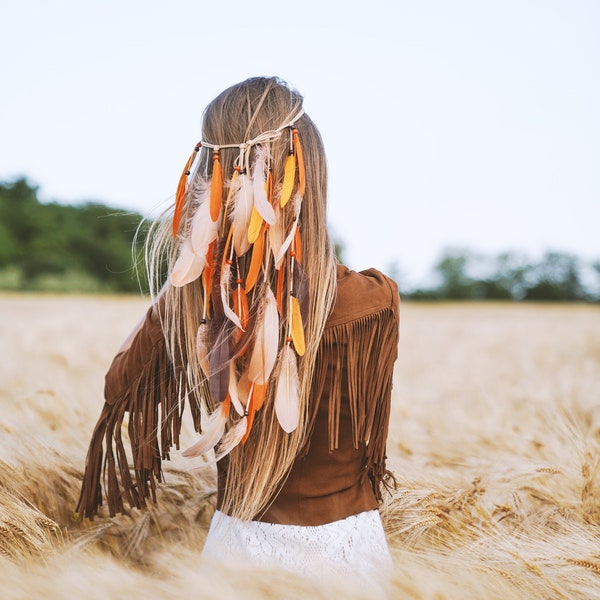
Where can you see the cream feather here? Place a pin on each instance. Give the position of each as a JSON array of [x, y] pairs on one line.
[[188, 266], [259, 184], [276, 233], [213, 432], [286, 393], [243, 198], [229, 313], [264, 353], [233, 390], [231, 439], [204, 230], [286, 244]]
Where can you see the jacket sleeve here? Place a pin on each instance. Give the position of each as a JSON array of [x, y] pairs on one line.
[[145, 390]]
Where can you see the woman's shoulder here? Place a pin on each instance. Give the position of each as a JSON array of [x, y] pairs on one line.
[[362, 293]]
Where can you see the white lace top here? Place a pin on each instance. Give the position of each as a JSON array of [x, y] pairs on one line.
[[353, 546]]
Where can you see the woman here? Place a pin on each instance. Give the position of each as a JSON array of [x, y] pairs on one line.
[[290, 353]]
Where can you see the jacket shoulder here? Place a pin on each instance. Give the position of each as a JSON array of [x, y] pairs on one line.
[[362, 293]]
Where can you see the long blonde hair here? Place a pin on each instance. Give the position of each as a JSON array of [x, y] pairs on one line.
[[256, 469]]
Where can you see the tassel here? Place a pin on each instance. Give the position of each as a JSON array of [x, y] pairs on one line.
[[188, 266], [286, 394], [266, 341], [231, 439], [259, 184], [299, 160], [242, 213], [289, 174], [213, 432], [181, 193], [297, 327], [256, 260], [216, 186]]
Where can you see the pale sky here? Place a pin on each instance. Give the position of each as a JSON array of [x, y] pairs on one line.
[[446, 123]]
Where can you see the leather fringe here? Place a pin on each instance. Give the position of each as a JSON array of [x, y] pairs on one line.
[[155, 407], [356, 361]]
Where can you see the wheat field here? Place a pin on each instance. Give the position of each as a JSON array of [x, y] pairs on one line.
[[494, 439]]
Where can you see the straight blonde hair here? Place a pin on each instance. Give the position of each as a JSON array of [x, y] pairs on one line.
[[256, 470]]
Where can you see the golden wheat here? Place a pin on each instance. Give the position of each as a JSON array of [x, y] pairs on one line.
[[495, 440]]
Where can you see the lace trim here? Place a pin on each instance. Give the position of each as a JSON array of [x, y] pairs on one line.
[[353, 546]]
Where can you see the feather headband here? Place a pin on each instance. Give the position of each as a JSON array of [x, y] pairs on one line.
[[245, 248]]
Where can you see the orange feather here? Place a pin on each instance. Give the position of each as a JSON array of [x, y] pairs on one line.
[[298, 245], [297, 328], [256, 261], [182, 191], [207, 277], [279, 290], [259, 393], [240, 305], [216, 187], [289, 175], [255, 225]]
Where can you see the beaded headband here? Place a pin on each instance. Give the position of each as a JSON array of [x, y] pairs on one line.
[[249, 337]]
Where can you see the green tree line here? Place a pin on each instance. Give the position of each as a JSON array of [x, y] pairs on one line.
[[560, 277], [88, 247], [57, 247]]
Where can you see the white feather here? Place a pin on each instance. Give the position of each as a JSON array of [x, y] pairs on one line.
[[261, 202], [286, 394], [231, 439], [213, 432], [276, 233], [286, 244], [188, 266], [266, 341], [225, 276], [233, 390], [204, 230], [243, 197]]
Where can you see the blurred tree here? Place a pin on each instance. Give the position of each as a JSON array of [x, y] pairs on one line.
[[452, 268], [556, 278], [58, 240]]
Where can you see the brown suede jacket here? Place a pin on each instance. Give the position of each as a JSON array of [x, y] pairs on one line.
[[341, 468]]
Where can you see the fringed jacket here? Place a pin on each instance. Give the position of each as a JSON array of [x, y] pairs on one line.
[[341, 469]]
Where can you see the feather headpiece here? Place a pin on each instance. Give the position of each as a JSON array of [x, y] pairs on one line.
[[242, 242]]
